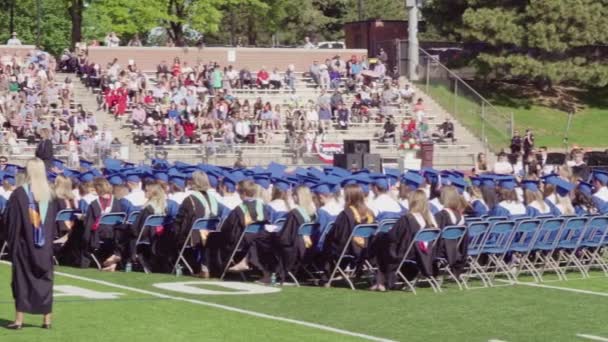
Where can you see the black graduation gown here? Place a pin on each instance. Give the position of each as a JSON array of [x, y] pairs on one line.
[[290, 246], [32, 268], [44, 151], [233, 228], [191, 210], [90, 238], [69, 253], [338, 236], [450, 250], [389, 249]]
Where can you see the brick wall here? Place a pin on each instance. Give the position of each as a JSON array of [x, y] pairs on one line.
[[19, 50], [147, 58]]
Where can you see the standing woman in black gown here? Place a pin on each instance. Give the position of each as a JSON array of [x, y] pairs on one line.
[[31, 220], [44, 150]]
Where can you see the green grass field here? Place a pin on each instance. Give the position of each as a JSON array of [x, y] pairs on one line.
[[143, 312], [588, 127]]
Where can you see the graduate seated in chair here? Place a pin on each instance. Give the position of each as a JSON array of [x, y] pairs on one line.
[[199, 204], [452, 214], [252, 210], [355, 212], [292, 247], [280, 203], [390, 248], [86, 190], [136, 198], [94, 232], [600, 197], [329, 209], [383, 205], [582, 202], [533, 198], [477, 205], [509, 205], [158, 248]]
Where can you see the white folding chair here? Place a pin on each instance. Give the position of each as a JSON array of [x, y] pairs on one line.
[[253, 228], [209, 224], [110, 219], [151, 222], [429, 236]]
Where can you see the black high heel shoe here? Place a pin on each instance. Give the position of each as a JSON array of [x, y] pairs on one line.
[[14, 326], [46, 326]]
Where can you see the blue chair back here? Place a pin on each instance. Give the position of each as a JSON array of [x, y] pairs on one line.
[[385, 226], [549, 229], [544, 217], [210, 224], [66, 215], [306, 229], [496, 219], [154, 221], [279, 222], [499, 236], [254, 228], [470, 219], [596, 233], [476, 233], [453, 232], [525, 233], [133, 217], [364, 230], [573, 231], [427, 235], [112, 219]]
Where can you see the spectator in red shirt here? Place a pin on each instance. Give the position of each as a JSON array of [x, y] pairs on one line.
[[263, 80], [189, 131], [177, 67]]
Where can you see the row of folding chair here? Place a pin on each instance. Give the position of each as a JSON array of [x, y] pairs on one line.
[[536, 246]]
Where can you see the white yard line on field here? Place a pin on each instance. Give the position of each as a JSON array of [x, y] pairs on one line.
[[567, 289], [224, 307], [593, 337]]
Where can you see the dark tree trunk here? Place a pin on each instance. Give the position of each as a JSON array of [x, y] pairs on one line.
[[76, 15], [11, 25]]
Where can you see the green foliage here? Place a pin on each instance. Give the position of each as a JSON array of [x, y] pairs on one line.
[[544, 40]]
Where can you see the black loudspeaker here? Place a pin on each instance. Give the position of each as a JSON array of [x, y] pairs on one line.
[[555, 158], [356, 146], [596, 158], [349, 161], [372, 162]]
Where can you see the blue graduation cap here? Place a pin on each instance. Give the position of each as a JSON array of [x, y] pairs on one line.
[[362, 180], [337, 171], [393, 176], [380, 181], [51, 176], [300, 171], [412, 179], [282, 184], [112, 164], [276, 169], [314, 172], [585, 188], [563, 187], [96, 172], [214, 178], [530, 185], [161, 175], [459, 183], [475, 181], [115, 179], [488, 181], [71, 173], [10, 179], [87, 176], [600, 176], [507, 182], [12, 168], [181, 165], [133, 176], [58, 163], [178, 180], [160, 164], [322, 189], [85, 164], [127, 164], [550, 178], [230, 182], [262, 179], [431, 175]]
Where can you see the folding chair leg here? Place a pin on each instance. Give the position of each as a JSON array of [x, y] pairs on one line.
[[95, 261], [4, 246], [453, 276], [55, 261], [595, 259], [407, 282], [293, 277], [236, 248]]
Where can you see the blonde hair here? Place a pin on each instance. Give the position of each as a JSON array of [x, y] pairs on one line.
[[535, 196], [200, 181], [36, 178], [450, 198], [63, 188], [263, 194], [303, 197], [102, 186], [20, 179], [157, 198], [566, 203], [420, 204]]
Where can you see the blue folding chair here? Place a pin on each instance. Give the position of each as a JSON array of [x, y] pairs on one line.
[[210, 225], [452, 233], [495, 247], [568, 244], [305, 229], [324, 231], [253, 228], [521, 247], [471, 219], [364, 231], [133, 217], [151, 222], [544, 247], [109, 219], [596, 238], [64, 215], [476, 233], [493, 219], [428, 236], [385, 226], [4, 249]]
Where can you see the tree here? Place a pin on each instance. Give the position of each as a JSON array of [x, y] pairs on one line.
[[75, 8], [544, 41]]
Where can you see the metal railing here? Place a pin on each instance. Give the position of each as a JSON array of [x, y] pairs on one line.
[[493, 126], [20, 153]]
